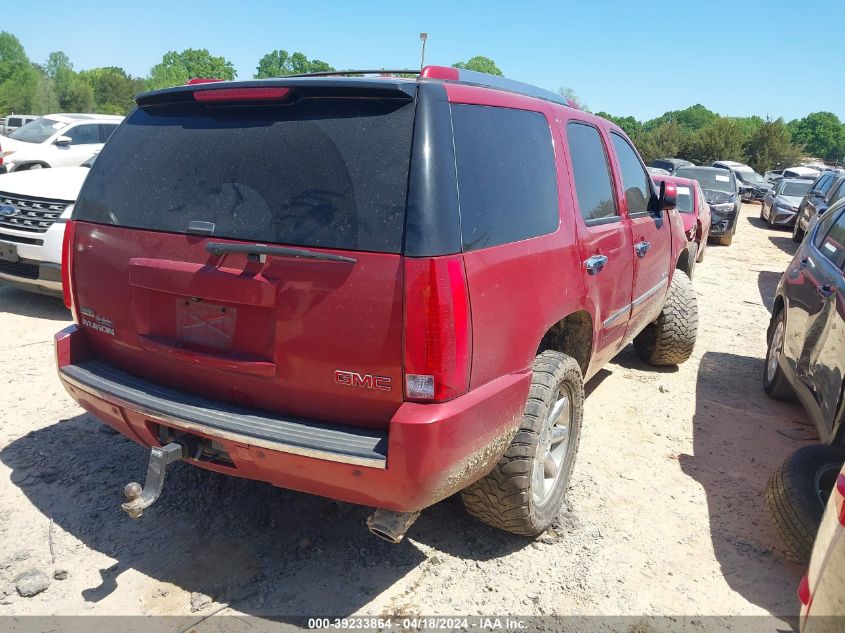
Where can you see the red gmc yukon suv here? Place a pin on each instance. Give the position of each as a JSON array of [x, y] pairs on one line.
[[375, 289]]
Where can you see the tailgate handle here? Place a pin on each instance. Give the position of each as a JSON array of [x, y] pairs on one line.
[[260, 251]]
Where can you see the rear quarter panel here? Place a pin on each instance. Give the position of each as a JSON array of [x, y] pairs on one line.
[[519, 290]]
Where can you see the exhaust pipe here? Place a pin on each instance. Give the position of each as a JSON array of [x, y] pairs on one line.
[[389, 525]]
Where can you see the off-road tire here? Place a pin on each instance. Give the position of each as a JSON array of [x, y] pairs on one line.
[[797, 232], [671, 338], [792, 496], [503, 498], [726, 239], [778, 387]]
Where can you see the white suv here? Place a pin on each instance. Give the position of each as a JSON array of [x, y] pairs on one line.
[[34, 206], [56, 140]]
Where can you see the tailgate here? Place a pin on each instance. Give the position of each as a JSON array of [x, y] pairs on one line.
[[312, 326]]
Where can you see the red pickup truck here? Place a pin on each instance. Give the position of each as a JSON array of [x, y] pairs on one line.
[[376, 289]]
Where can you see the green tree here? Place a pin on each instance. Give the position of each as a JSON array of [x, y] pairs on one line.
[[719, 140], [113, 89], [668, 140], [57, 63], [479, 64], [12, 56], [569, 93], [771, 146], [177, 68], [690, 119], [18, 78], [280, 64], [821, 133]]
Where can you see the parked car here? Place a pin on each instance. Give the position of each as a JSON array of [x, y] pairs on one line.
[[12, 122], [722, 194], [773, 175], [670, 164], [56, 140], [34, 207], [801, 172], [806, 336], [695, 213], [822, 591], [816, 204], [752, 185], [780, 205], [657, 171], [315, 311]]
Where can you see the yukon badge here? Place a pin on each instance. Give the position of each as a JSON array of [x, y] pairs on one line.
[[367, 381], [96, 322]]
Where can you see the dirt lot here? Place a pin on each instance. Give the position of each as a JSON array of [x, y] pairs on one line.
[[665, 514]]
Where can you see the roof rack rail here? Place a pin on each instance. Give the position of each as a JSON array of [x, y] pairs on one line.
[[447, 73], [382, 71]]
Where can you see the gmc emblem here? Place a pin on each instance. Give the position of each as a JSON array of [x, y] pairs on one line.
[[367, 381]]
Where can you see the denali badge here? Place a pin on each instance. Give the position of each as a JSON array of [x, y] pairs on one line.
[[367, 381], [96, 322]]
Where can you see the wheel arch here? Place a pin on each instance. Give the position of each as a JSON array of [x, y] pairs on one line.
[[573, 336], [686, 261]]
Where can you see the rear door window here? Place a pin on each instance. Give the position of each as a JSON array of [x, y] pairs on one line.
[[507, 181], [14, 122], [591, 172], [321, 172]]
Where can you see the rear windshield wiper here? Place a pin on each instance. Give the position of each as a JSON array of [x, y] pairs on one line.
[[259, 252]]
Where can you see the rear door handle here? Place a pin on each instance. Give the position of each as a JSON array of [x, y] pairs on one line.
[[825, 290], [641, 248], [595, 264]]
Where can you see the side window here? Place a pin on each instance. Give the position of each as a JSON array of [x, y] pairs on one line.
[[14, 122], [591, 172], [106, 130], [83, 134], [836, 192], [635, 180], [833, 244], [823, 183], [822, 229], [507, 180]]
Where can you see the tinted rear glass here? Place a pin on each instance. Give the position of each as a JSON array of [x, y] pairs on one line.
[[321, 173], [507, 181]]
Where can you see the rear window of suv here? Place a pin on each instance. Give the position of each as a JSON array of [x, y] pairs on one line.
[[321, 173]]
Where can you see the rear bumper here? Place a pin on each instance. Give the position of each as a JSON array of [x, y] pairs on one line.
[[429, 451]]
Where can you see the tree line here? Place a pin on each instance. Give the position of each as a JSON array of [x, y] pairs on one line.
[[696, 133]]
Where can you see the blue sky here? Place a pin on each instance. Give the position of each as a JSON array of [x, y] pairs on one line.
[[626, 57]]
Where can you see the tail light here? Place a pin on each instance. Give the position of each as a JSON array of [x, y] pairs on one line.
[[438, 330], [67, 262], [216, 95]]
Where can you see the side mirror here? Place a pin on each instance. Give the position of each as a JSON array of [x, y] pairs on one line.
[[668, 196], [64, 141]]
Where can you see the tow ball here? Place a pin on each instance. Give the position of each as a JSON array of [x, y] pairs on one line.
[[139, 499]]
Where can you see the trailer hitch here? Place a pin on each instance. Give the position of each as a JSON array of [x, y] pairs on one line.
[[139, 499]]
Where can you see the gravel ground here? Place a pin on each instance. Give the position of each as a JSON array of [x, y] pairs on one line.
[[665, 514]]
